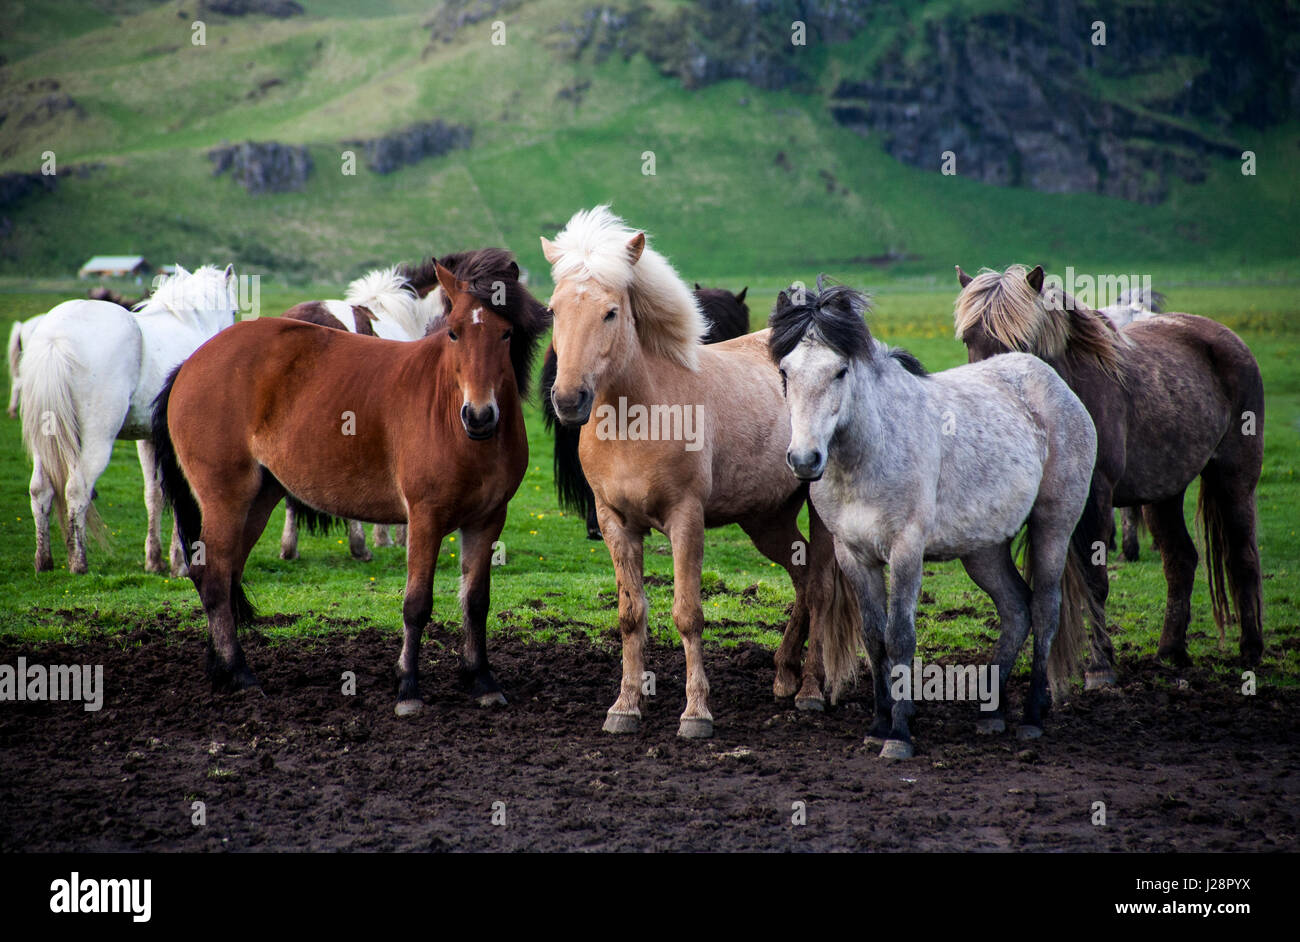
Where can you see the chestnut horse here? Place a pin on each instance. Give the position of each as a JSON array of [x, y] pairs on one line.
[[1173, 396], [430, 433], [626, 339]]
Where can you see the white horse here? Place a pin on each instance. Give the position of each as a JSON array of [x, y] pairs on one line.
[[90, 372], [909, 466], [397, 303]]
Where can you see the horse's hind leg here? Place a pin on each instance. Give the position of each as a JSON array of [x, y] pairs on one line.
[[626, 550], [1232, 534], [289, 537], [42, 494], [994, 571], [226, 513], [357, 541], [1049, 549], [475, 584], [1100, 671], [380, 534], [1178, 553], [776, 536], [153, 503], [79, 491], [1131, 518]]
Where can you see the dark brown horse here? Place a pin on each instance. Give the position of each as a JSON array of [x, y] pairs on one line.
[[430, 433], [1173, 397], [728, 317]]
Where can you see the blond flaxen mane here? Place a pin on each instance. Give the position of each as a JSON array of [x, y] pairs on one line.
[[1050, 324], [669, 322]]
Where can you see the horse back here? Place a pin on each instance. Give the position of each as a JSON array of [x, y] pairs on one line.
[[338, 315]]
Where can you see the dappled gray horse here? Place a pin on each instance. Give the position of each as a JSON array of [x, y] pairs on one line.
[[909, 466]]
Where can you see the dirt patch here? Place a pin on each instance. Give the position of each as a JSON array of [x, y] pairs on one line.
[[1194, 767]]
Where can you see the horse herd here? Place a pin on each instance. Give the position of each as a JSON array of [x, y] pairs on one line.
[[401, 405]]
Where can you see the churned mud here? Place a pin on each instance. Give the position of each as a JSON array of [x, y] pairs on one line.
[[1195, 767]]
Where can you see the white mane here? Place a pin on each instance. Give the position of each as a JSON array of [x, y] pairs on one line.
[[387, 295], [668, 318], [192, 297]]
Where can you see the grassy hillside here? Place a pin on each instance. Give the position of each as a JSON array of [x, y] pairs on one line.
[[748, 184]]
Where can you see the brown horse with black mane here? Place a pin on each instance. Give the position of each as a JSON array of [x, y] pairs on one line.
[[1173, 396], [428, 433]]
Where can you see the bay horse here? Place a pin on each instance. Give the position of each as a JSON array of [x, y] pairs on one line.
[[397, 303], [626, 339], [429, 432], [89, 372], [908, 466], [1173, 396], [727, 316]]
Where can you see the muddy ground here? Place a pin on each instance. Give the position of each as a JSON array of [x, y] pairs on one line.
[[306, 767]]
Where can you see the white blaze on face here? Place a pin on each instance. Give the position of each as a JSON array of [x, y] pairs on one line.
[[476, 315]]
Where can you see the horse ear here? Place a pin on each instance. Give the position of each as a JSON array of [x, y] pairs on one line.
[[550, 250], [1035, 279], [963, 279], [450, 286], [740, 298], [697, 286], [783, 299], [230, 271], [514, 270], [635, 247]]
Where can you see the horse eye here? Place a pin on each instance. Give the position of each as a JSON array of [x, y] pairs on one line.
[[842, 373], [506, 335], [452, 335], [611, 315]]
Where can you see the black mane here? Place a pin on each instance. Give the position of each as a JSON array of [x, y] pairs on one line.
[[835, 312], [482, 270]]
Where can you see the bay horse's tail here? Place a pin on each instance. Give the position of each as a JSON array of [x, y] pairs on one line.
[[180, 497], [51, 426], [570, 482]]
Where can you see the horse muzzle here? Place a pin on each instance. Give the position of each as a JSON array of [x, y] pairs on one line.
[[574, 408], [480, 424], [806, 465]]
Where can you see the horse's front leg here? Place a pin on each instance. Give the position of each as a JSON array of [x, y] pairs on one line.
[[475, 579], [686, 533], [626, 552], [153, 502], [905, 562], [357, 541], [417, 605], [289, 536]]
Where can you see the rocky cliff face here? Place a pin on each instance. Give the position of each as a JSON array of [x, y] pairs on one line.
[[409, 145], [1022, 97], [263, 166]]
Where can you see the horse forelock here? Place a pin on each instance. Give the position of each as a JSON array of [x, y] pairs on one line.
[[593, 247], [832, 315]]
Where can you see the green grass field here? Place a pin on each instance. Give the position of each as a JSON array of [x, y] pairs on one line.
[[557, 585]]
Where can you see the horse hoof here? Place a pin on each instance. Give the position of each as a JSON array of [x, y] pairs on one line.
[[621, 722], [695, 727], [44, 565], [494, 699], [874, 742], [1097, 680], [408, 707], [594, 535], [810, 704], [991, 726], [1175, 656], [363, 557], [783, 689], [1025, 731], [288, 554], [896, 749]]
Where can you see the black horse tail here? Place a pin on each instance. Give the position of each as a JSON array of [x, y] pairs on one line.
[[178, 495], [571, 485]]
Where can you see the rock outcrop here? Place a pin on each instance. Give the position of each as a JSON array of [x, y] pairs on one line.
[[263, 166]]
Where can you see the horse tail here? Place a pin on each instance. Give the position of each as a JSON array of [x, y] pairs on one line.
[[842, 641], [317, 522], [1212, 519], [571, 485], [15, 352], [51, 426], [178, 494]]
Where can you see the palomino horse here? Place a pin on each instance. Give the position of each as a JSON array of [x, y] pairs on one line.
[[727, 316], [429, 432], [398, 303], [90, 370], [907, 466], [1173, 397], [626, 337]]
